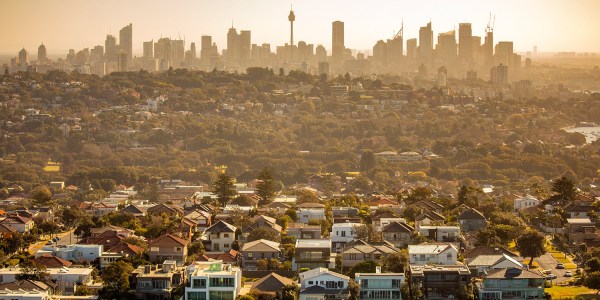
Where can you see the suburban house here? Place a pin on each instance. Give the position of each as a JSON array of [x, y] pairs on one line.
[[108, 239], [321, 284], [66, 279], [303, 231], [469, 255], [471, 220], [272, 284], [134, 210], [171, 211], [511, 283], [187, 228], [429, 206], [259, 249], [581, 229], [397, 233], [379, 285], [262, 222], [383, 219], [523, 202], [202, 218], [7, 231], [310, 211], [168, 247], [358, 251], [440, 282], [26, 289], [157, 281], [432, 254], [119, 251], [440, 233], [213, 280], [21, 223], [51, 261], [577, 210], [313, 253], [344, 214], [72, 252], [430, 218], [219, 237], [342, 233], [483, 263]]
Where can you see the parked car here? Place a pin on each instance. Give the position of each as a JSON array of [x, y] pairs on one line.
[[568, 274], [551, 276], [49, 243], [560, 266]]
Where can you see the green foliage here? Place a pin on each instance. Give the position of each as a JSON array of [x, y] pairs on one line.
[[363, 267], [262, 233], [224, 188], [396, 262], [565, 188], [531, 244], [115, 278], [265, 189], [592, 281], [41, 194]]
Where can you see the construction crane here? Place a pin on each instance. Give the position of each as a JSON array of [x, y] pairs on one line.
[[490, 25]]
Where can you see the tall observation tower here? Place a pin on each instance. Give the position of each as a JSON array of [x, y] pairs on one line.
[[292, 18]]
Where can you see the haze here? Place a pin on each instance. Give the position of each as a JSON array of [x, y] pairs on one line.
[[551, 25]]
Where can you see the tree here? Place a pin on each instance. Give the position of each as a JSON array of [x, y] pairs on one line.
[[262, 264], [531, 244], [395, 262], [592, 281], [262, 233], [32, 271], [115, 279], [41, 194], [487, 237], [565, 188], [367, 266], [367, 233], [265, 189], [289, 292], [593, 265], [367, 160], [354, 289], [224, 188]]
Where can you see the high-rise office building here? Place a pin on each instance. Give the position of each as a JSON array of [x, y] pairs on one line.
[[503, 53], [163, 53], [232, 46], [96, 54], [321, 53], [380, 54], [178, 52], [149, 50], [42, 55], [23, 57], [488, 47], [206, 50], [499, 74], [446, 48], [244, 44], [122, 60], [126, 40], [193, 50], [337, 43], [395, 49], [465, 48], [411, 49], [71, 56], [110, 48], [425, 54]]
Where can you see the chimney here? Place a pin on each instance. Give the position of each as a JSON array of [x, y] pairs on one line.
[[378, 269]]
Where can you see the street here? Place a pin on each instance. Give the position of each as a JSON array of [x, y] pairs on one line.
[[547, 262], [64, 240]]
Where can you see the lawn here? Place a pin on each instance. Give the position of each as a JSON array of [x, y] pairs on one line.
[[535, 265], [571, 291]]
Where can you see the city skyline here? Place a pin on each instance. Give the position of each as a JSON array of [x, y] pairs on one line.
[[364, 25]]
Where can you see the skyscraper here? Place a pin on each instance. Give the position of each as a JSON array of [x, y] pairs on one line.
[[488, 47], [337, 43], [205, 50], [23, 57], [244, 44], [110, 48], [425, 54], [232, 46], [411, 49], [465, 48], [164, 53], [42, 54], [178, 52], [395, 49], [380, 54], [126, 40], [149, 50], [446, 48], [321, 53]]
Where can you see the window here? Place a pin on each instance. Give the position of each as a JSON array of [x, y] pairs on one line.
[[221, 295], [196, 295], [250, 254], [226, 235], [449, 256], [225, 245], [353, 256], [216, 247], [343, 233], [154, 249], [199, 283], [221, 282], [367, 255], [365, 283], [310, 282], [177, 249]]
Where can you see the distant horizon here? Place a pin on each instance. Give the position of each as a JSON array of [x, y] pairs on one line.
[[551, 25]]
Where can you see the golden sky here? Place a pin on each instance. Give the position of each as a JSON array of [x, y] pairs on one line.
[[552, 25]]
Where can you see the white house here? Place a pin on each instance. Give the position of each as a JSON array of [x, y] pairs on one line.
[[305, 215], [321, 284], [213, 280], [73, 252], [66, 278], [440, 233], [526, 201], [221, 236], [379, 285], [483, 263], [342, 233], [382, 222], [432, 254]]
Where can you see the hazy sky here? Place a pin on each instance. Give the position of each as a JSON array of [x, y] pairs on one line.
[[552, 25]]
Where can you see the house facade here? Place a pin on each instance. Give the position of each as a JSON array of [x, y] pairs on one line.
[[380, 286], [157, 282], [397, 233], [213, 281], [259, 249], [168, 247], [432, 254], [321, 284], [220, 236], [342, 233], [313, 253], [511, 283]]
